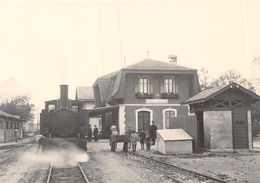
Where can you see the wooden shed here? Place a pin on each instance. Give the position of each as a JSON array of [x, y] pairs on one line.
[[8, 124], [174, 141], [224, 117]]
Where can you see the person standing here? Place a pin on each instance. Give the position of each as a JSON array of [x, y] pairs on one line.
[[134, 139], [148, 142], [152, 132], [126, 140], [95, 133], [15, 135], [89, 133], [113, 139], [142, 138]]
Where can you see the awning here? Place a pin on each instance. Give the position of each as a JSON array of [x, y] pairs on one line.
[[101, 110]]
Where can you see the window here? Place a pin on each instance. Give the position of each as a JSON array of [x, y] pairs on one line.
[[169, 117], [143, 87], [169, 87], [75, 108], [51, 107]]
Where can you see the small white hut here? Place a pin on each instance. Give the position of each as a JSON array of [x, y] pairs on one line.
[[174, 141]]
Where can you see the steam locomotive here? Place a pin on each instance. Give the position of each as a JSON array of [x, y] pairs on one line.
[[64, 122]]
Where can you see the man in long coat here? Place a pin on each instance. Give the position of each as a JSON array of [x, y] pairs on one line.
[[152, 132]]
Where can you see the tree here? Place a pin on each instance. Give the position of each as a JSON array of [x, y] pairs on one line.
[[18, 106], [204, 79], [255, 73], [232, 76]]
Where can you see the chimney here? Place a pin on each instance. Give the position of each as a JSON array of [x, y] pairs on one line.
[[173, 59], [64, 100]]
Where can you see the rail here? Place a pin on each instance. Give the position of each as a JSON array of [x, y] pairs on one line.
[[10, 157], [67, 174], [196, 174]]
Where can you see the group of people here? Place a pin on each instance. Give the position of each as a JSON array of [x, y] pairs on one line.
[[95, 133], [133, 137]]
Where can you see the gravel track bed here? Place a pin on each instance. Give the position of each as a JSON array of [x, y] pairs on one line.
[[178, 174], [12, 170], [35, 174], [8, 153], [106, 167], [67, 174]]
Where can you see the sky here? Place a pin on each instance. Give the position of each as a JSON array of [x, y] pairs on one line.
[[45, 43]]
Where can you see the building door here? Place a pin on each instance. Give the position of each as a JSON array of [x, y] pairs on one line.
[[143, 120], [240, 129], [169, 119]]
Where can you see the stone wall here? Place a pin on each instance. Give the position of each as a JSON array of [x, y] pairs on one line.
[[218, 129]]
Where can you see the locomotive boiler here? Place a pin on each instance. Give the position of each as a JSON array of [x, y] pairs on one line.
[[64, 122]]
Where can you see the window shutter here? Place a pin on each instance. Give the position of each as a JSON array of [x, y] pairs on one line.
[[176, 87], [136, 85], [150, 82], [161, 85]]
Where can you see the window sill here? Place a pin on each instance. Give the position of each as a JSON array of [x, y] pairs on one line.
[[169, 95], [140, 95]]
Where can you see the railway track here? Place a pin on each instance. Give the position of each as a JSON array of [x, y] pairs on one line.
[[178, 174], [67, 174], [14, 154], [13, 147]]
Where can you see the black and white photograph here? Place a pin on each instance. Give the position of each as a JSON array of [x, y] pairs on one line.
[[130, 91]]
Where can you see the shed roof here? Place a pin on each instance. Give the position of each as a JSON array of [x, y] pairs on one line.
[[174, 134], [4, 114], [84, 93], [210, 93]]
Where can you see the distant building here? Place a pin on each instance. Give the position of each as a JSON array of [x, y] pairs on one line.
[[84, 94], [150, 90], [8, 124]]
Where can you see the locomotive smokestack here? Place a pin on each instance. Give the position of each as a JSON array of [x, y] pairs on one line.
[[64, 100]]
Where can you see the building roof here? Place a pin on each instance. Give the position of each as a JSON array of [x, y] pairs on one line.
[[6, 115], [150, 64], [109, 84], [174, 134], [84, 93], [210, 93]]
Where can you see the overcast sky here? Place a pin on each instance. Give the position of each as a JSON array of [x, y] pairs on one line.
[[45, 43]]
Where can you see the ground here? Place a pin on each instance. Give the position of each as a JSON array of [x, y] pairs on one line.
[[102, 165], [243, 166], [107, 166]]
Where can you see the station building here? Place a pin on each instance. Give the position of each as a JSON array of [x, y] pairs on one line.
[[8, 124], [169, 94], [147, 91]]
